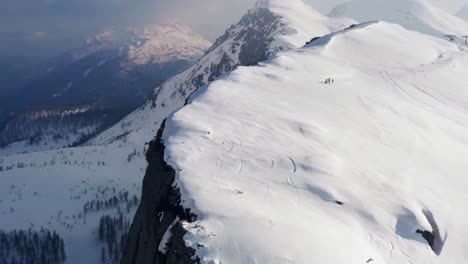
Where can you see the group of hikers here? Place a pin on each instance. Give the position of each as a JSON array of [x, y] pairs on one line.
[[329, 81]]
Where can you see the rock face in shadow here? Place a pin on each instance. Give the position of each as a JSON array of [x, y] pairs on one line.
[[409, 227], [435, 239], [428, 235], [159, 212]]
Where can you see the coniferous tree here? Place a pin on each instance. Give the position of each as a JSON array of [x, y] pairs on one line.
[[31, 247]]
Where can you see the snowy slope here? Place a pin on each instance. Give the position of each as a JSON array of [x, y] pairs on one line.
[[450, 6], [50, 189], [282, 168], [271, 26], [419, 15], [463, 13]]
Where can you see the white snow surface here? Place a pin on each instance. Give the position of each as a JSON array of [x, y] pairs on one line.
[[419, 15], [450, 6], [463, 13], [303, 22], [264, 153]]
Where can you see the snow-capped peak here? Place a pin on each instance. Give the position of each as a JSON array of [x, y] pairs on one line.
[[302, 22], [162, 43]]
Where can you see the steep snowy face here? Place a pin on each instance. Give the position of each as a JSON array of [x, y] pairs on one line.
[[419, 15], [271, 26], [281, 167]]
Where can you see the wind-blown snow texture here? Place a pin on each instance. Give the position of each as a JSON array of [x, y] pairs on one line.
[[266, 155], [419, 15]]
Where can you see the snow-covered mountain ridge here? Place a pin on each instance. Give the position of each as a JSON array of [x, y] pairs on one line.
[[419, 15], [270, 27], [349, 172]]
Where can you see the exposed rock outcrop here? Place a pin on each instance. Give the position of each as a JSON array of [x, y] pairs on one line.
[[159, 212]]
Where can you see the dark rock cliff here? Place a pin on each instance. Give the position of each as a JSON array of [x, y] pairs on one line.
[[159, 212]]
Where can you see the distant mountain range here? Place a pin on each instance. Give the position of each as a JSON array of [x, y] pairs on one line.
[[98, 84]]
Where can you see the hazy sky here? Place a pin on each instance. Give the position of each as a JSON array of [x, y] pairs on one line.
[[47, 26], [34, 27]]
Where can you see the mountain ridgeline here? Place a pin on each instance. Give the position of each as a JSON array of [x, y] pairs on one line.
[[243, 44], [156, 235]]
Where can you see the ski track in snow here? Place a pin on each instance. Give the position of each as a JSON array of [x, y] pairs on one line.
[[291, 181], [293, 163], [241, 156], [267, 192], [220, 162]]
